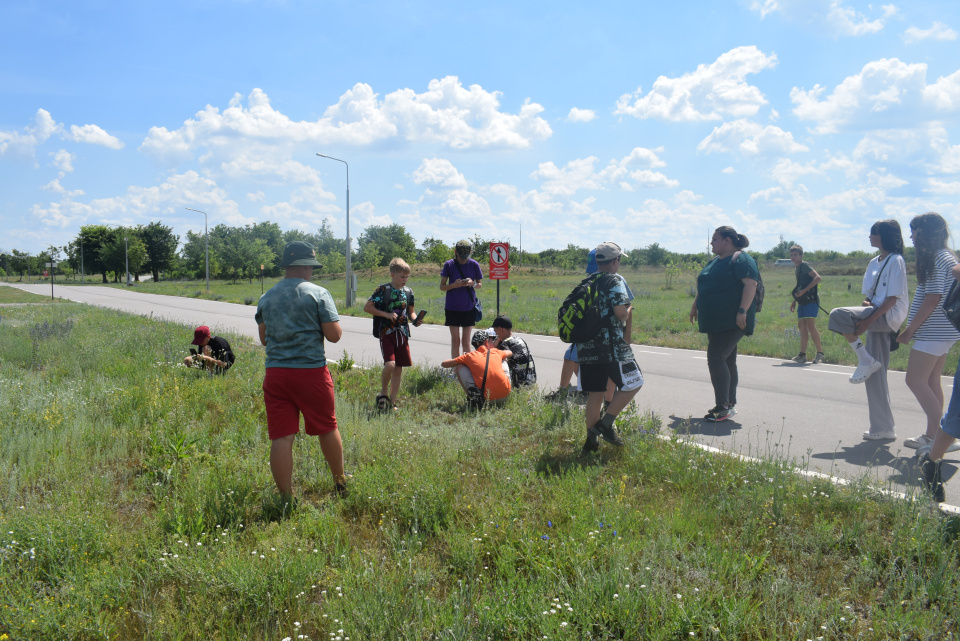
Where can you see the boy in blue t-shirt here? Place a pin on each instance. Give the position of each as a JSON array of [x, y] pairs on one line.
[[392, 307]]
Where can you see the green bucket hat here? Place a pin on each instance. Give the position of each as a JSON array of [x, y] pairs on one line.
[[299, 253]]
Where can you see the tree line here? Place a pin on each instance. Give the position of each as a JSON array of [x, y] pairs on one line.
[[238, 252]]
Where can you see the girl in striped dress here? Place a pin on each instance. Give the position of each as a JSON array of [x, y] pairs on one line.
[[927, 325]]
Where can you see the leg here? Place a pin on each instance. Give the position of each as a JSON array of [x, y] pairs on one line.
[[389, 368], [608, 395], [454, 341], [567, 371], [720, 347], [949, 424], [465, 377], [923, 379], [395, 384], [878, 391], [466, 334], [814, 333], [281, 464], [332, 448], [592, 410], [804, 336], [734, 374]]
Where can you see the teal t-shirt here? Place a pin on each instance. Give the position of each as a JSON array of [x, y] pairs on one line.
[[719, 289], [292, 311]]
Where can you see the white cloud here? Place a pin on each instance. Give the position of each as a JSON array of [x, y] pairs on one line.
[[938, 31], [750, 138], [924, 149], [447, 114], [581, 115], [943, 188], [711, 92], [63, 160], [581, 174], [728, 170], [884, 91], [438, 172], [682, 220], [944, 94], [94, 135], [830, 16]]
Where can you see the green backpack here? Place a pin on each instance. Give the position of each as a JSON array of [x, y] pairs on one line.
[[579, 319]]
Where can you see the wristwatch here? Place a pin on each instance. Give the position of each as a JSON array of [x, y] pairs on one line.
[[741, 311]]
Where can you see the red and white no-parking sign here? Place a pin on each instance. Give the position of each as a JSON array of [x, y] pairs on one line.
[[499, 261]]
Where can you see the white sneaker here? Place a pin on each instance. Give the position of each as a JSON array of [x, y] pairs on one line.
[[864, 372], [926, 447], [918, 442], [879, 436]]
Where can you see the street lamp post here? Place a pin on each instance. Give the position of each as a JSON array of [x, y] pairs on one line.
[[81, 255], [349, 276], [206, 244], [126, 255]]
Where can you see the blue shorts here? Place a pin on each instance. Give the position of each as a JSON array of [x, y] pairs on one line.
[[950, 423], [810, 310], [571, 353]]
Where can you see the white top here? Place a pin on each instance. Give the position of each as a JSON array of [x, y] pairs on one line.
[[937, 327], [893, 282]]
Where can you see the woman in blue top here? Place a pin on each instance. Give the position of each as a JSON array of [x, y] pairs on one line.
[[725, 311], [460, 278]]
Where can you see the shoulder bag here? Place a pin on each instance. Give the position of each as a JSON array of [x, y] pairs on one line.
[[477, 305]]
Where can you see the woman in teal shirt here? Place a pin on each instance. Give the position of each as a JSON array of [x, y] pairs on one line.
[[725, 311]]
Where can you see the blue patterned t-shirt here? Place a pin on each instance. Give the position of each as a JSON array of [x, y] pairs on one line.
[[293, 311]]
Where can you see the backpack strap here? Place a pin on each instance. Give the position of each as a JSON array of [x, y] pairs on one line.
[[486, 368]]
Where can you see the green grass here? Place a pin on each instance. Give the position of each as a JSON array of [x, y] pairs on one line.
[[136, 502], [12, 295], [532, 295]]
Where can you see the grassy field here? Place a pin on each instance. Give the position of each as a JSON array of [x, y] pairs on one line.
[[532, 295], [11, 295], [136, 502]]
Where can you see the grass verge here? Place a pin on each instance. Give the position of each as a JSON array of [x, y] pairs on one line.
[[136, 502]]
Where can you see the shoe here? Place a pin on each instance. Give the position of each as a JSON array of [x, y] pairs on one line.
[[918, 442], [932, 478], [879, 436], [606, 433], [591, 444], [800, 358], [819, 358], [383, 403], [718, 413], [732, 409], [474, 397], [864, 372], [560, 395], [925, 448]]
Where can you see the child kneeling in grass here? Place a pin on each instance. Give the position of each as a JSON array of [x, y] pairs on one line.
[[392, 307]]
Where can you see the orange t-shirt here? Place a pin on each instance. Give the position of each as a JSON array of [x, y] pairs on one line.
[[498, 383]]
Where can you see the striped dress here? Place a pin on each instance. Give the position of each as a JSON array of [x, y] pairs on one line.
[[937, 327]]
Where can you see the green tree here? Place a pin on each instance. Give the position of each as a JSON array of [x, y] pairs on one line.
[[780, 250], [124, 250], [21, 262], [435, 251], [387, 242], [272, 236], [193, 254], [161, 245], [240, 252], [91, 239]]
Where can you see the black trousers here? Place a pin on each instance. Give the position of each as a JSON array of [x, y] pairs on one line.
[[722, 363]]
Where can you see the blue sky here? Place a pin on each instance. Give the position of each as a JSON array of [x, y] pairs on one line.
[[567, 122]]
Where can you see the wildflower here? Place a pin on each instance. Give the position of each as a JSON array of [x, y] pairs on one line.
[[545, 537], [549, 523]]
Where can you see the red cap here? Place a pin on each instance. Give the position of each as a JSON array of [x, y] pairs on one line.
[[200, 335]]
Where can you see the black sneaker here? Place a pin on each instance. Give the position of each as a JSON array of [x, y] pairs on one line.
[[591, 444], [718, 413], [932, 479], [606, 433], [474, 398]]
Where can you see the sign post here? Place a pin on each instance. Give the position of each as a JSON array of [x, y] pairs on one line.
[[52, 265], [499, 266], [261, 280]]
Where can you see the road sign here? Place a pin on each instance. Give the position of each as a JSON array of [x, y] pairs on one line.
[[499, 261]]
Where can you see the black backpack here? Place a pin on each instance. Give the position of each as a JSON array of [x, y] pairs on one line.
[[578, 319], [758, 295], [379, 321]]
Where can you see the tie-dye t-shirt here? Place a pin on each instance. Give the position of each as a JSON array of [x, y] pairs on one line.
[[293, 311]]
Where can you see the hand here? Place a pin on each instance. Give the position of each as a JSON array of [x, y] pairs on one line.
[[793, 306], [469, 282], [693, 313], [905, 336], [393, 317], [742, 320]]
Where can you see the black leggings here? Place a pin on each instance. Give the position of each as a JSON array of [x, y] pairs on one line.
[[722, 363]]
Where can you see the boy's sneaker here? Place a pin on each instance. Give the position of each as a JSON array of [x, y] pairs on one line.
[[918, 442], [606, 433], [800, 358], [718, 413], [819, 358], [559, 395], [932, 478], [732, 409], [592, 444]]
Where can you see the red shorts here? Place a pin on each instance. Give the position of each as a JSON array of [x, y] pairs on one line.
[[289, 392], [396, 347]]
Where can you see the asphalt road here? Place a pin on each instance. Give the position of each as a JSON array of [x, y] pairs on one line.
[[808, 413]]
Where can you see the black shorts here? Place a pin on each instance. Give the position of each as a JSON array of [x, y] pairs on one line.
[[454, 318], [593, 376]]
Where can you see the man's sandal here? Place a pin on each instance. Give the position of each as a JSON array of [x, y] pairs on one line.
[[383, 403]]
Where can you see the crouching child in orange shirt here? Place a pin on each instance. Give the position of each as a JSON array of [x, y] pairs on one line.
[[483, 373]]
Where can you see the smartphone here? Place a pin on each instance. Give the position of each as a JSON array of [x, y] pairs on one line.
[[420, 316], [193, 352]]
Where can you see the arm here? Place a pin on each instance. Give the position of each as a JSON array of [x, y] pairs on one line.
[[332, 331], [693, 309], [262, 328], [444, 287], [956, 271], [622, 312], [749, 289], [865, 324], [450, 362], [628, 327], [410, 314], [371, 309], [930, 302]]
